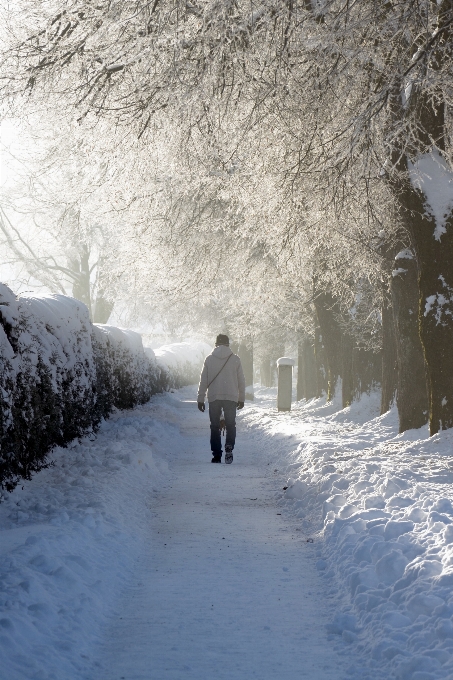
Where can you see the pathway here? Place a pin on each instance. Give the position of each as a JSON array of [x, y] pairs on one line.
[[225, 589]]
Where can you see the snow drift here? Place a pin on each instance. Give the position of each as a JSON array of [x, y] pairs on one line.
[[379, 507]]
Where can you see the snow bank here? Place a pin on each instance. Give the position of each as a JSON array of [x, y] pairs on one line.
[[60, 375], [379, 505]]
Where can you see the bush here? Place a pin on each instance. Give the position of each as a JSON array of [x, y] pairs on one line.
[[46, 381], [60, 375]]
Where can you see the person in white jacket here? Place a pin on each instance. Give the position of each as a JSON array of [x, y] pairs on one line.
[[223, 379]]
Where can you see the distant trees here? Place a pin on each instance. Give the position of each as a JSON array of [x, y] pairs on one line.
[[279, 155], [53, 228]]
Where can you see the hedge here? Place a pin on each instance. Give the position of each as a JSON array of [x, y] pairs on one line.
[[60, 375]]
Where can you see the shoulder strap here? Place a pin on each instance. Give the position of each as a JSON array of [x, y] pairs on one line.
[[229, 357]]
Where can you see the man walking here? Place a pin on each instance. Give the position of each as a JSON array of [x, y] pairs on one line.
[[223, 379]]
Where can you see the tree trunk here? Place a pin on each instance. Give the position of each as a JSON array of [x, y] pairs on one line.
[[278, 351], [367, 371], [412, 394], [81, 288], [347, 382], [423, 195], [320, 364], [300, 371], [434, 253], [102, 310], [102, 307], [265, 372], [245, 353], [310, 377], [326, 310], [389, 359], [307, 386]]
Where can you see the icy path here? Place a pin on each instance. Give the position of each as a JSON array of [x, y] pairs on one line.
[[225, 587]]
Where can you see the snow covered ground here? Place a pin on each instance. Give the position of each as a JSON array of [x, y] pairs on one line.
[[68, 543], [380, 505], [133, 557]]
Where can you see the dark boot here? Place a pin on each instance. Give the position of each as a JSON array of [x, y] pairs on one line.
[[228, 454]]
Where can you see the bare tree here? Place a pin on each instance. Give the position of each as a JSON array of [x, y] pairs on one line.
[[50, 225]]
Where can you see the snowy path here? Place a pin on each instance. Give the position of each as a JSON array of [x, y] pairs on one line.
[[225, 587], [134, 558]]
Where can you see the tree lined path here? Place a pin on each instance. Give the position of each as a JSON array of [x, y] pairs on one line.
[[225, 587], [293, 159]]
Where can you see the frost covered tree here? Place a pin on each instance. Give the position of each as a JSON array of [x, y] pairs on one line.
[[324, 126], [53, 227]]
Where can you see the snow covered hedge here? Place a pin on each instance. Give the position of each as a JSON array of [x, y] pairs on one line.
[[60, 375], [125, 375], [181, 362]]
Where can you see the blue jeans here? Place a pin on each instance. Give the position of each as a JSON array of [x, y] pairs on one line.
[[229, 411]]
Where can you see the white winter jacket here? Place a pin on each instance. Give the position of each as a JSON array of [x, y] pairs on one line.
[[229, 383]]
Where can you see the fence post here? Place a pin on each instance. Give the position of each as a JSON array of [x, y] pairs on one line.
[[285, 383]]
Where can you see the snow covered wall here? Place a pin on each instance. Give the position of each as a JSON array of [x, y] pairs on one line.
[[60, 375]]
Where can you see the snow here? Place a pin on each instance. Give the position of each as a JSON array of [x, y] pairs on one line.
[[431, 175], [440, 303], [54, 328], [406, 93], [47, 373], [381, 503], [285, 361], [68, 541], [325, 550], [132, 373], [178, 354], [405, 254], [138, 554], [397, 272]]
